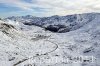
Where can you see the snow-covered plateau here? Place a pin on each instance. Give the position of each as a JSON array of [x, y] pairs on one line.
[[72, 40]]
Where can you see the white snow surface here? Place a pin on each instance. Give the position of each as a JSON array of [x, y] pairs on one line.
[[33, 46]]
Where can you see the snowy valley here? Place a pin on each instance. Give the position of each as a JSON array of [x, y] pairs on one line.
[[72, 40]]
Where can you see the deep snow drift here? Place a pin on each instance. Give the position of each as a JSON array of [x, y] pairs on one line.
[[24, 45]]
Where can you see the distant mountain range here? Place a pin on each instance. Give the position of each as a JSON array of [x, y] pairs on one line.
[[60, 24]]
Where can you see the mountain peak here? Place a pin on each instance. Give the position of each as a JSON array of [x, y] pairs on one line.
[[70, 22]]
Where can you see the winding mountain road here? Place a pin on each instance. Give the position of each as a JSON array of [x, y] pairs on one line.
[[26, 59]]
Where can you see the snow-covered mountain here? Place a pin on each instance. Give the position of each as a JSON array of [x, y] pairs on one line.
[[56, 23], [24, 43]]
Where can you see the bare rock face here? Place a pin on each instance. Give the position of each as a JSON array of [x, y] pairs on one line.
[[7, 29]]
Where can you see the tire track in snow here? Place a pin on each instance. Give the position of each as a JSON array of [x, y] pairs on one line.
[[23, 60]]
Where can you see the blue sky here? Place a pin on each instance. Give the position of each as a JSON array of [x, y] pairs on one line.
[[47, 7]]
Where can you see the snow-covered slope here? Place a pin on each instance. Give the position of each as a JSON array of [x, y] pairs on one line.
[[23, 45], [17, 45]]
